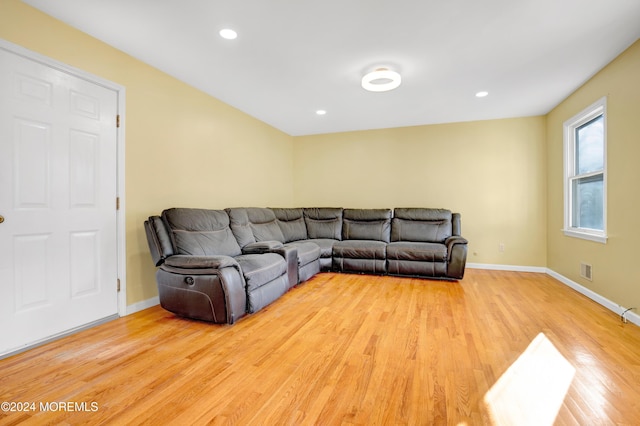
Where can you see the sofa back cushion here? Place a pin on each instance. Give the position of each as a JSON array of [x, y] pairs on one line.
[[291, 222], [421, 225], [251, 224], [239, 222], [366, 224], [323, 222], [200, 232]]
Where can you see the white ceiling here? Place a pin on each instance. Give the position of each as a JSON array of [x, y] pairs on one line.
[[293, 57]]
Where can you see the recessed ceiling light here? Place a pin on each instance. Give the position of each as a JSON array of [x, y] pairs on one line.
[[381, 80], [321, 112], [228, 34], [481, 94]]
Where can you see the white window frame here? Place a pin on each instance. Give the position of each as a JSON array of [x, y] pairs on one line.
[[597, 108]]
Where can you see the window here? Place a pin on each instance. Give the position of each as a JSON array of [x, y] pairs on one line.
[[585, 167]]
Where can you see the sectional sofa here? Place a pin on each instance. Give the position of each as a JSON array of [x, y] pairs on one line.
[[219, 265]]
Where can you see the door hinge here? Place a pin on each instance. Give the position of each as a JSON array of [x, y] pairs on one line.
[[117, 203], [118, 284], [118, 120]]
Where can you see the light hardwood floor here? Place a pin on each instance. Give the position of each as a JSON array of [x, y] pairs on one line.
[[343, 349]]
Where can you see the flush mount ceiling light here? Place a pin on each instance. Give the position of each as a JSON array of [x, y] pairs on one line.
[[381, 80], [482, 94], [228, 33]]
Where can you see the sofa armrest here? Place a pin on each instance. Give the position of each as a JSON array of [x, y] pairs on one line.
[[158, 239], [260, 247], [457, 256], [200, 262], [451, 241], [289, 253], [456, 226]]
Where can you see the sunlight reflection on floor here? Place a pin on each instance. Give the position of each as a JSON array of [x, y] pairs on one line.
[[533, 388]]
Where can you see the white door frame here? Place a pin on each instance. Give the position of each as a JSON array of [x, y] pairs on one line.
[[120, 172]]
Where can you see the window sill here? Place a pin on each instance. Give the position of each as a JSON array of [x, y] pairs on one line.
[[598, 238]]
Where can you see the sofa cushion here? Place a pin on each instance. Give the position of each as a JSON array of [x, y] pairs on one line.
[[323, 222], [201, 232], [264, 224], [359, 249], [240, 225], [423, 225], [365, 215], [372, 230], [259, 269], [251, 224], [307, 251], [366, 224], [421, 213], [415, 251], [292, 225], [293, 230], [323, 228], [269, 231], [325, 244]]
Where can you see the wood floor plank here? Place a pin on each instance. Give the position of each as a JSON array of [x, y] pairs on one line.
[[339, 349]]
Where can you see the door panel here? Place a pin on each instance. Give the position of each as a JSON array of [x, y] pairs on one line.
[[58, 243], [31, 278], [31, 162]]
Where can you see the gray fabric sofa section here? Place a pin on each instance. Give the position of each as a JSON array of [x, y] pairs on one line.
[[294, 230], [324, 228], [291, 223], [219, 265], [207, 262], [200, 232], [260, 225], [365, 235], [422, 241]]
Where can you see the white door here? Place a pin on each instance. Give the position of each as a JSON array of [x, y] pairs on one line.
[[58, 237]]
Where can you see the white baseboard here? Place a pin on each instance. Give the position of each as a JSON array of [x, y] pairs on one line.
[[136, 307], [57, 336], [140, 306], [515, 268], [633, 317], [612, 306]]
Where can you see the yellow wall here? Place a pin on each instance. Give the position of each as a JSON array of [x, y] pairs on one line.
[[183, 148], [615, 273], [492, 172]]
